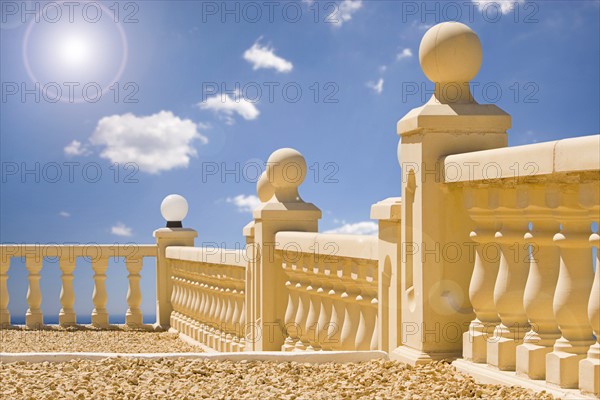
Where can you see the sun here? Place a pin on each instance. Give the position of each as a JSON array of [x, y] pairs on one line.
[[75, 51]]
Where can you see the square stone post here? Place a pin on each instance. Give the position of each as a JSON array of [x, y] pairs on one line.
[[437, 258], [166, 237], [282, 210], [389, 326]]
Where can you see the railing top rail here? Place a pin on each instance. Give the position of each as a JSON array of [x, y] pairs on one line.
[[129, 250], [329, 244], [580, 154], [209, 255]]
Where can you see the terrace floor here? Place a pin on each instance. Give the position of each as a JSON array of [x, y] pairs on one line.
[[163, 378]]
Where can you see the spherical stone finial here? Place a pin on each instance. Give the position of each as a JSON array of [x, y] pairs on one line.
[[264, 188], [450, 52], [174, 209], [286, 168]]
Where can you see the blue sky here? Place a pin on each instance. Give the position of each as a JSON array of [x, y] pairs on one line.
[[163, 124]]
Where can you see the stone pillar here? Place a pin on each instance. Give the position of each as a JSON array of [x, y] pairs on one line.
[[434, 291], [133, 316], [284, 211], [389, 323], [166, 237]]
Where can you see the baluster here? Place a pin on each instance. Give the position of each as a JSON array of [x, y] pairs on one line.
[[229, 319], [221, 318], [510, 284], [352, 310], [539, 290], [338, 311], [175, 301], [237, 309], [66, 316], [242, 319], [485, 270], [292, 307], [133, 316], [303, 307], [374, 338], [196, 310], [33, 317], [312, 326], [4, 298], [575, 278], [208, 300], [324, 315], [589, 368], [362, 341], [99, 296]]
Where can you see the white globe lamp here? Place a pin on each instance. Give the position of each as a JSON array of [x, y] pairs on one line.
[[174, 209]]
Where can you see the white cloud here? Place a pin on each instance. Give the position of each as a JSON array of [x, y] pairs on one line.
[[490, 6], [155, 143], [226, 107], [359, 228], [75, 148], [264, 57], [406, 53], [64, 214], [120, 229], [345, 11], [376, 87], [244, 203]]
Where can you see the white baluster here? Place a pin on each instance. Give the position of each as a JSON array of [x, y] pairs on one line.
[[589, 368], [99, 296], [66, 316], [133, 316], [4, 298]]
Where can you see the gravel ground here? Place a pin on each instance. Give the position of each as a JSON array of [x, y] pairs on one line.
[[87, 339], [180, 379]]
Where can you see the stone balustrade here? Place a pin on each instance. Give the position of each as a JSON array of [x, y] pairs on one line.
[[34, 255], [531, 287], [487, 254], [332, 299], [208, 296]]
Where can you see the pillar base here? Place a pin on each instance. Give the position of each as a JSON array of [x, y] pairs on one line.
[[34, 319], [67, 319], [562, 369], [411, 356], [100, 319], [133, 319], [475, 346], [501, 353], [531, 360], [589, 376], [4, 318]]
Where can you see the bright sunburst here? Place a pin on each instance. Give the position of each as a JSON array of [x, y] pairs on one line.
[[74, 51]]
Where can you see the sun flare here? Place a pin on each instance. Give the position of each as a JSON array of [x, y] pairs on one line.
[[75, 51]]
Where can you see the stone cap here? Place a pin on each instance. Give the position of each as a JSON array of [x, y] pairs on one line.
[[389, 209], [450, 55], [175, 233]]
